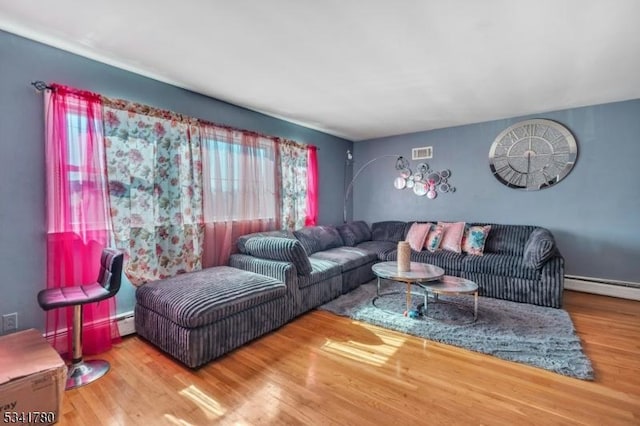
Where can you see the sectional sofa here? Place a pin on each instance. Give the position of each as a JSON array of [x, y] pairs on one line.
[[276, 276]]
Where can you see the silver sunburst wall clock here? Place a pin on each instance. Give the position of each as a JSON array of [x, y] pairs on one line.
[[533, 154]]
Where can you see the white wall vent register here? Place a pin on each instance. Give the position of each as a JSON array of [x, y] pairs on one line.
[[423, 153]]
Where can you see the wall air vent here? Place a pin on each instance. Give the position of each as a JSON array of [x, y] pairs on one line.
[[423, 153]]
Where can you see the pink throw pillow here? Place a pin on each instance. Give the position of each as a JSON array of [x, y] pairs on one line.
[[452, 236], [417, 234], [434, 237]]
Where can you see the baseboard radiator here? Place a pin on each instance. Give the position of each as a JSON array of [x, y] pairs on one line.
[[126, 324], [613, 288]]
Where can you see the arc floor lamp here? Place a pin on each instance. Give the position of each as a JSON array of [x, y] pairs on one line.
[[401, 163]]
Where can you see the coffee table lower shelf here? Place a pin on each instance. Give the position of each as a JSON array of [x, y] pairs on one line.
[[431, 290]]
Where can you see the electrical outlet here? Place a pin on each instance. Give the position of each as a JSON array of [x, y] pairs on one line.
[[10, 322]]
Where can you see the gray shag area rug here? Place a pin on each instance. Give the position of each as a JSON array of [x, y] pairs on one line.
[[534, 335]]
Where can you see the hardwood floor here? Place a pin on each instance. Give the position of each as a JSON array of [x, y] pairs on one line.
[[324, 369]]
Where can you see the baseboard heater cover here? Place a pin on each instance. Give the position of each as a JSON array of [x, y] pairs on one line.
[[126, 325], [620, 289], [124, 321]]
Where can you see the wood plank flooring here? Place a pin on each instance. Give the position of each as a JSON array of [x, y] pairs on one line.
[[326, 370]]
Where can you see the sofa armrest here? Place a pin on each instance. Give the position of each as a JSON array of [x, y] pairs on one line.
[[283, 271], [552, 282], [539, 248], [280, 249]]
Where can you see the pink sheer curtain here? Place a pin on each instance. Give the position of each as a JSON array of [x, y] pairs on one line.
[[312, 187], [77, 213], [239, 181]]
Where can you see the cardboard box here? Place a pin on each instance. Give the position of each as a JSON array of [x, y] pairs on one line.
[[32, 379]]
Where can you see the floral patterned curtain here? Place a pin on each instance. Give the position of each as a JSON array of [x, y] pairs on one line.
[[155, 188], [293, 189]]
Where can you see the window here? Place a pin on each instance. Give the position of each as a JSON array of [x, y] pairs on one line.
[[240, 179], [84, 175]]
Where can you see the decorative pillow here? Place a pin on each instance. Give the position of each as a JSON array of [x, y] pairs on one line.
[[434, 237], [540, 247], [417, 234], [474, 239], [452, 233]]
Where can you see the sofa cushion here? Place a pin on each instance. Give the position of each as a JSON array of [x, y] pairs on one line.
[[391, 230], [240, 243], [283, 249], [448, 260], [380, 248], [507, 239], [322, 270], [540, 247], [354, 233], [347, 257], [317, 238], [504, 265], [200, 298]]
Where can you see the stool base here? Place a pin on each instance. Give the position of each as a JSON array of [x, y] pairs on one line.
[[84, 372]]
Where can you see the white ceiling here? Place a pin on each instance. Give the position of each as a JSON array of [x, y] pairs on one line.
[[360, 69]]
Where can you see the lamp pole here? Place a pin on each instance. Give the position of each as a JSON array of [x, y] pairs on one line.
[[347, 192]]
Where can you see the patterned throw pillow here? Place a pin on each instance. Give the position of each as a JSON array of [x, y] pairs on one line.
[[474, 239], [434, 237], [417, 234], [452, 236]]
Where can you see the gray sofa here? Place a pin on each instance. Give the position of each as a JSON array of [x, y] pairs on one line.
[[279, 275], [521, 263]]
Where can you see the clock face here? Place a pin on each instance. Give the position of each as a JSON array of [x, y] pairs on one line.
[[533, 154]]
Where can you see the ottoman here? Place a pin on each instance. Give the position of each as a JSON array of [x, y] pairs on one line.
[[198, 316]]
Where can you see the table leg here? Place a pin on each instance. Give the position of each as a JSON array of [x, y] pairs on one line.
[[426, 300], [475, 306], [408, 297]]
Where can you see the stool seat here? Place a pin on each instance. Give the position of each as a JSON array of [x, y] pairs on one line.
[[68, 296]]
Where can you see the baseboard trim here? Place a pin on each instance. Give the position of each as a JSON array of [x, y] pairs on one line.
[[603, 288], [124, 321]]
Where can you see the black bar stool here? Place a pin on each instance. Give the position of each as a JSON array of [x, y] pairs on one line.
[[84, 372]]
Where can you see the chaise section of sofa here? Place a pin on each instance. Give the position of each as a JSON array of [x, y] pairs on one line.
[[199, 316]]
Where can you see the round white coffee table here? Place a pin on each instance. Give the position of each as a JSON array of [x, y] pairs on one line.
[[418, 274], [450, 285]]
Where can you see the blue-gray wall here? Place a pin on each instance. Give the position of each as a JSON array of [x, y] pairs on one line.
[[594, 212], [22, 178]]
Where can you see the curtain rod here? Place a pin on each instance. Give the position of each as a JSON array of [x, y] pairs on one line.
[[42, 86]]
